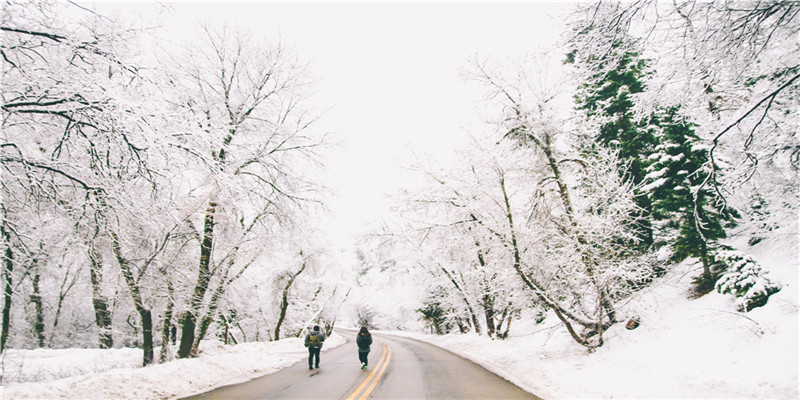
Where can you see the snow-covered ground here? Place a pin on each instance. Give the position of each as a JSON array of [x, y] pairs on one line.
[[114, 374], [683, 349]]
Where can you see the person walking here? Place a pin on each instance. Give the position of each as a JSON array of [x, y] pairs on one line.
[[314, 341], [363, 340]]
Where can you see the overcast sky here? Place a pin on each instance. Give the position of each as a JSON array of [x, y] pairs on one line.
[[392, 75]]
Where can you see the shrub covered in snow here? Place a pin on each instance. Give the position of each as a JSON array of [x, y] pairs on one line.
[[746, 280]]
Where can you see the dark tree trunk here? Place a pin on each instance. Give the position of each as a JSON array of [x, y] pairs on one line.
[[101, 312], [504, 334], [8, 268], [285, 301], [205, 323], [189, 320], [704, 259], [488, 311], [488, 300], [36, 299], [167, 327], [66, 285], [136, 296], [147, 336]]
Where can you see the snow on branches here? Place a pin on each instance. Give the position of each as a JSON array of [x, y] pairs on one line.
[[746, 280]]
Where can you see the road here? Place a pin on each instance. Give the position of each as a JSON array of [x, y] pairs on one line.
[[400, 368]]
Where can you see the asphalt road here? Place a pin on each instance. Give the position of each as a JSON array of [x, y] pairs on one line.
[[400, 368]]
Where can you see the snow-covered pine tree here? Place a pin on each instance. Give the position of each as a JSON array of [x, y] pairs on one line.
[[746, 280], [686, 211], [608, 98]]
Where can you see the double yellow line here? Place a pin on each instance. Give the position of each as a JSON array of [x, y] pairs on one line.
[[374, 376]]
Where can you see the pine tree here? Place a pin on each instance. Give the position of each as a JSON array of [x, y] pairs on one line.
[[686, 211], [661, 154], [608, 97], [746, 280]]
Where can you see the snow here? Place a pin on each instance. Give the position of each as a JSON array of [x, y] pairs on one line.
[[684, 348], [114, 374], [656, 184]]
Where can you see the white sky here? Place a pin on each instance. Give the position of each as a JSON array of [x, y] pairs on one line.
[[392, 74]]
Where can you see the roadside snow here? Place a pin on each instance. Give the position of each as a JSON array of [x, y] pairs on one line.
[[684, 348], [114, 374]]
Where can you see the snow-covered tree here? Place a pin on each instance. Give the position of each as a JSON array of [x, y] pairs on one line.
[[573, 250], [122, 169], [75, 132], [746, 280], [689, 215], [731, 67], [250, 138], [613, 80]]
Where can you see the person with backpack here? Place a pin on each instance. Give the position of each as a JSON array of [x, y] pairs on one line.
[[363, 340], [314, 341]]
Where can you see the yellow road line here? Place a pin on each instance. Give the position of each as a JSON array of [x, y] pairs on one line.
[[377, 377], [371, 374], [387, 353]]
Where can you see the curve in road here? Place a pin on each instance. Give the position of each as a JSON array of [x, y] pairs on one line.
[[406, 369]]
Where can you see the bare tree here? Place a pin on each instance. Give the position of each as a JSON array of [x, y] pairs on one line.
[[69, 131], [246, 101]]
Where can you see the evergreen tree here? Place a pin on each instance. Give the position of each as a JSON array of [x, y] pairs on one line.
[[660, 154], [608, 97], [686, 211], [746, 280]]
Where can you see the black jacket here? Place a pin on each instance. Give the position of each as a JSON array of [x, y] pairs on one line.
[[363, 342]]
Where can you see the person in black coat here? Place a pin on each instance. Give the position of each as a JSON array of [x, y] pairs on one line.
[[363, 340]]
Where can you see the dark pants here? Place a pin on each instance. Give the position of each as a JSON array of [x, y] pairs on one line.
[[313, 352], [362, 356]]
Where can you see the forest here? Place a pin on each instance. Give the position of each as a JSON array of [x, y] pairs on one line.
[[160, 192]]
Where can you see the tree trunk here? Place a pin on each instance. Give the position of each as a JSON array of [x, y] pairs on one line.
[[101, 312], [167, 326], [136, 296], [488, 300], [189, 320], [224, 283], [473, 317], [8, 265], [66, 286], [36, 299], [285, 301], [704, 258], [205, 323], [504, 334], [488, 312], [528, 282]]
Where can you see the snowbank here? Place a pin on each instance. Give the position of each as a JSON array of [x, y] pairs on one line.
[[684, 348], [113, 374]]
